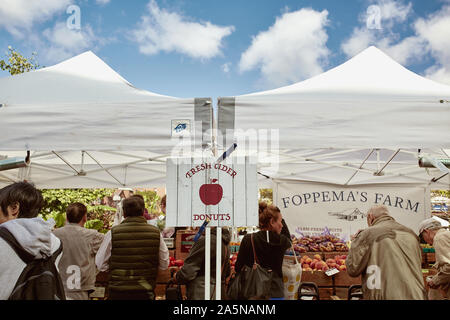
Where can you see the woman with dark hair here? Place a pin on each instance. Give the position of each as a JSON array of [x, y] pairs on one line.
[[271, 243]]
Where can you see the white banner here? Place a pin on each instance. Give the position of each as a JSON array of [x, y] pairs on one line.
[[313, 208]]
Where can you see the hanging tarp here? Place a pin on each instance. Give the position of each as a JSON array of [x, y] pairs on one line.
[[311, 209]]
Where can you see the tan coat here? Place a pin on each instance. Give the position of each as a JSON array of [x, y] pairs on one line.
[[441, 245], [388, 256], [79, 248]]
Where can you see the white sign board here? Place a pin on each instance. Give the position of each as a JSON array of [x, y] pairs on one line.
[[226, 193], [314, 208]]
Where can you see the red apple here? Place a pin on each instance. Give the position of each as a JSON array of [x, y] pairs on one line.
[[318, 257], [211, 194], [179, 263]]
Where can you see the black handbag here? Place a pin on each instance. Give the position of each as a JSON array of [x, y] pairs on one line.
[[251, 283]]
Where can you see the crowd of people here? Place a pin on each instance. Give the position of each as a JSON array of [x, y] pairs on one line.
[[387, 255]]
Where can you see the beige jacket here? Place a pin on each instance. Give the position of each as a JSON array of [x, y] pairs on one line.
[[441, 246], [77, 265], [388, 256]]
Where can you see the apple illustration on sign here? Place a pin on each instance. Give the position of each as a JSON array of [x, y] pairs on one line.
[[211, 193]]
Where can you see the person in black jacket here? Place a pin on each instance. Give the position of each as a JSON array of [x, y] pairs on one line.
[[192, 274], [271, 243]]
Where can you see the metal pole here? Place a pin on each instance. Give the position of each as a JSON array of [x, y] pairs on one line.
[[207, 263], [218, 262]]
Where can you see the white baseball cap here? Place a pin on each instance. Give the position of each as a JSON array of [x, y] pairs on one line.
[[429, 224]]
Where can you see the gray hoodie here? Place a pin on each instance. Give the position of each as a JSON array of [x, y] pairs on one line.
[[36, 237]]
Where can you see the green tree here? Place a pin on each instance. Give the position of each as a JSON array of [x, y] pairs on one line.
[[151, 200], [100, 217], [16, 63], [266, 195]]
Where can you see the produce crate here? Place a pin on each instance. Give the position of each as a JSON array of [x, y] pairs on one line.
[[331, 255], [309, 254], [332, 293], [318, 277], [342, 279]]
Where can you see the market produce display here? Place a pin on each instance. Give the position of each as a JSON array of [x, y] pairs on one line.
[[317, 264], [323, 243], [175, 262]]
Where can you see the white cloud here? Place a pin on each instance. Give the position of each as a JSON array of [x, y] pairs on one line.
[[431, 37], [435, 30], [102, 2], [62, 43], [292, 49], [390, 13], [226, 67], [393, 12], [18, 16], [161, 30]]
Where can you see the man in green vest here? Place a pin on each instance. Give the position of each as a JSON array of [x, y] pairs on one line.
[[133, 251]]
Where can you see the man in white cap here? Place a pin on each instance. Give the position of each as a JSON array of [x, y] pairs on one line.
[[434, 234]]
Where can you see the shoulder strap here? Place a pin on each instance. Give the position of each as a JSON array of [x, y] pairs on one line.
[[57, 252], [15, 245], [254, 252]]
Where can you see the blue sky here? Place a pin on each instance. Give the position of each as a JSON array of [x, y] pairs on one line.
[[211, 48]]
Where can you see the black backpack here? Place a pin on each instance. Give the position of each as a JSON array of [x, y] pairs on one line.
[[40, 279]]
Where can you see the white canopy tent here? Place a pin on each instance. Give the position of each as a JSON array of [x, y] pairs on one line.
[[362, 122], [86, 126]]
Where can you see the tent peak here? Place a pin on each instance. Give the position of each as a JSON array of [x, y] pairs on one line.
[[89, 65], [370, 72]]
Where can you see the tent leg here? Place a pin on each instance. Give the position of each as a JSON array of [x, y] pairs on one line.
[[219, 263], [207, 263]]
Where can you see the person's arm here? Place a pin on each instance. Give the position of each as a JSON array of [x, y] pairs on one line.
[[245, 254], [163, 255], [358, 255], [193, 263], [97, 240], [442, 248], [104, 253]]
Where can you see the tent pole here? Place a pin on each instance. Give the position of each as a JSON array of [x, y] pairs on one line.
[[65, 161], [378, 173], [104, 168], [360, 167], [207, 263], [436, 179]]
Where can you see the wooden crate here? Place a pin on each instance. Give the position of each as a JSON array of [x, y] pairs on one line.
[[330, 293], [331, 255], [318, 277], [344, 280]]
